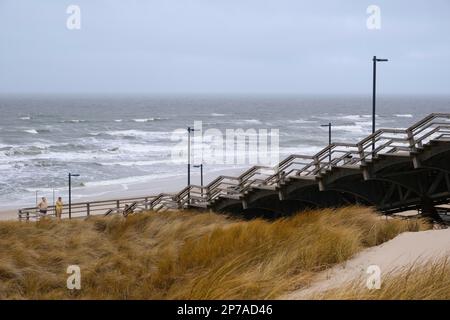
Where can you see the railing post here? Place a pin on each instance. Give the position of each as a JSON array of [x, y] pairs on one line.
[[280, 180], [207, 195], [146, 203], [318, 174], [363, 163], [412, 148], [118, 204], [281, 177], [317, 165], [88, 209], [178, 200]]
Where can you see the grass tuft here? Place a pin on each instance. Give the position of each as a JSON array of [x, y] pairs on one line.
[[429, 280]]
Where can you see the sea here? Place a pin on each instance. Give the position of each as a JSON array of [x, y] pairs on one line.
[[120, 140]]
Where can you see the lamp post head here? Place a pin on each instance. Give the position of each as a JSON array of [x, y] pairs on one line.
[[382, 60], [74, 174]]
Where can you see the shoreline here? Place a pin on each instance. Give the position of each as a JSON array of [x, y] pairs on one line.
[[121, 191]]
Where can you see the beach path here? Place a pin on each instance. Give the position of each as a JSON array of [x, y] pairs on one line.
[[402, 251]]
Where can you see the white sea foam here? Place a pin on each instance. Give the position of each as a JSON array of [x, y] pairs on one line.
[[300, 149], [5, 166], [355, 117], [129, 180], [31, 131], [301, 121], [133, 163], [218, 114], [154, 135], [148, 119], [132, 133], [254, 121], [74, 121], [363, 123], [118, 120], [406, 115], [25, 118], [357, 129]]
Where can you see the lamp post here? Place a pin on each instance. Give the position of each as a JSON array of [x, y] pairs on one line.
[[374, 91], [70, 192], [189, 129], [201, 174], [329, 138]]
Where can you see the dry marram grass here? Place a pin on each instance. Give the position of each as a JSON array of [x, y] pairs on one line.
[[184, 255], [429, 280]]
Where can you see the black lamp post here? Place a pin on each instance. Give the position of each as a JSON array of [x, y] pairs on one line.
[[189, 129], [201, 174], [70, 192], [329, 137], [374, 91]]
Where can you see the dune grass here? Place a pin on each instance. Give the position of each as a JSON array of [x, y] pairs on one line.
[[429, 280], [184, 255]]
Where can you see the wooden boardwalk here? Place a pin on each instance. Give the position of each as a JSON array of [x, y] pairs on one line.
[[392, 169]]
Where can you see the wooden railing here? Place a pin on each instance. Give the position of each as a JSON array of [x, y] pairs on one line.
[[436, 126]]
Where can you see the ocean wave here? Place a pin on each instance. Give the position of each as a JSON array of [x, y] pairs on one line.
[[148, 135], [132, 163], [253, 121], [118, 120], [73, 121], [129, 180], [301, 149], [406, 115], [357, 129], [24, 151], [149, 119], [356, 117], [25, 118], [31, 131], [301, 121], [218, 114], [36, 131], [5, 146], [363, 123], [6, 166]]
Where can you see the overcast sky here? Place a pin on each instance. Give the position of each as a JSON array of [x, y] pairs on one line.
[[223, 46]]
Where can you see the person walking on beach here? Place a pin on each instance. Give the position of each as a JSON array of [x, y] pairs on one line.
[[43, 206], [59, 207]]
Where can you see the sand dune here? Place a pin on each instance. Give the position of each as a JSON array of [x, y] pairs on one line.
[[404, 250]]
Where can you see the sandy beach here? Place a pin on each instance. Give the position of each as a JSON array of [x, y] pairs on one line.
[[119, 191]]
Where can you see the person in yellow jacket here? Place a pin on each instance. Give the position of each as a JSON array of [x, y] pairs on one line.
[[59, 207]]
